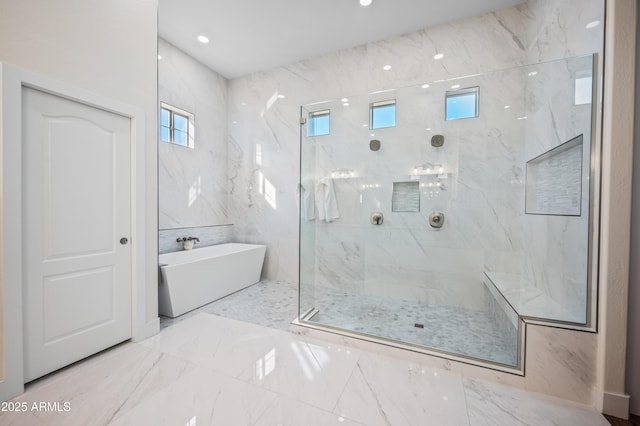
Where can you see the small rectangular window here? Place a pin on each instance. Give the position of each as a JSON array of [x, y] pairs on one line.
[[176, 126], [319, 123], [582, 92], [462, 103], [382, 114]]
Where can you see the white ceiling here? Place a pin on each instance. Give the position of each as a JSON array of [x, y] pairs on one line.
[[253, 35]]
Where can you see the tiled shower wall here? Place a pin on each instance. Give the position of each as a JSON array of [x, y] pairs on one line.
[[264, 151]]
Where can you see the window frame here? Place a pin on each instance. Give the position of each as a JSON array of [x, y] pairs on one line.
[[373, 106], [452, 94], [190, 131], [317, 114]]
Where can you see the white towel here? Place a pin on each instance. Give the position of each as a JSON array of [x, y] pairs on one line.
[[326, 200], [305, 194]]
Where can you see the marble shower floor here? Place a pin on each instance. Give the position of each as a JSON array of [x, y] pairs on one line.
[[211, 370], [448, 328]]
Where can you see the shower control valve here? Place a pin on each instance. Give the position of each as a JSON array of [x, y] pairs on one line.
[[376, 218], [436, 219]]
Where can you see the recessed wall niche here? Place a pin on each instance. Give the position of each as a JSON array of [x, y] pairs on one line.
[[554, 181], [406, 197]]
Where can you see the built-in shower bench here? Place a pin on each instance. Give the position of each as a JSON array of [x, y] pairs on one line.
[[528, 301]]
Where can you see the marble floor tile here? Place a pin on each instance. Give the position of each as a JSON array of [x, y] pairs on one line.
[[387, 391], [287, 411], [311, 371], [220, 344], [453, 329], [495, 404], [200, 398], [99, 388], [210, 370]]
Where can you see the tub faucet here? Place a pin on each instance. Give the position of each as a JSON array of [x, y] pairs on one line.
[[183, 239], [188, 242]]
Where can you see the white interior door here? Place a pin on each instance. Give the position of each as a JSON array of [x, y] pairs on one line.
[[76, 209]]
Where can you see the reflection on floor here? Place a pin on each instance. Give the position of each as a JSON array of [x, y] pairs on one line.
[[210, 370]]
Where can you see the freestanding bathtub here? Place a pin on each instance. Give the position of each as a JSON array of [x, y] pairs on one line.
[[192, 278]]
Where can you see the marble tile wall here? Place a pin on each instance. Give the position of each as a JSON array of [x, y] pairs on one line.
[[264, 135], [193, 182], [208, 236]]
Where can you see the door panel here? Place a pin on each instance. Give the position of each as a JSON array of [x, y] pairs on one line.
[[76, 204], [91, 306], [90, 202]]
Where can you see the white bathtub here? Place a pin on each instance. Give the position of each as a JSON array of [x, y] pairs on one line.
[[192, 278]]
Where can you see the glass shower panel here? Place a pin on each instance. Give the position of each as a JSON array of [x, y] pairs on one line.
[[421, 235], [307, 209]]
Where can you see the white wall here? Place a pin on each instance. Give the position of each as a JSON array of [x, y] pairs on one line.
[[193, 182], [109, 48]]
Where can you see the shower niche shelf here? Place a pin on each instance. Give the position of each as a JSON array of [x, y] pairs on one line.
[[554, 181], [405, 197]]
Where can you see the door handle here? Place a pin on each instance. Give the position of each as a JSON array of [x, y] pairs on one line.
[[124, 241]]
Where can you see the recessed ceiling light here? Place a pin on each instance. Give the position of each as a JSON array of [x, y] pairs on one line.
[[346, 104], [386, 67], [532, 73], [438, 56], [425, 86], [280, 96], [159, 57], [203, 39], [344, 100], [366, 2], [455, 86], [507, 106], [592, 24]]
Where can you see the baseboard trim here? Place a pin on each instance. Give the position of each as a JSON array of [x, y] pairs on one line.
[[612, 404]]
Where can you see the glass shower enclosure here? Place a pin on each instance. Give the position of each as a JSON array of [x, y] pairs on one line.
[[444, 216]]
